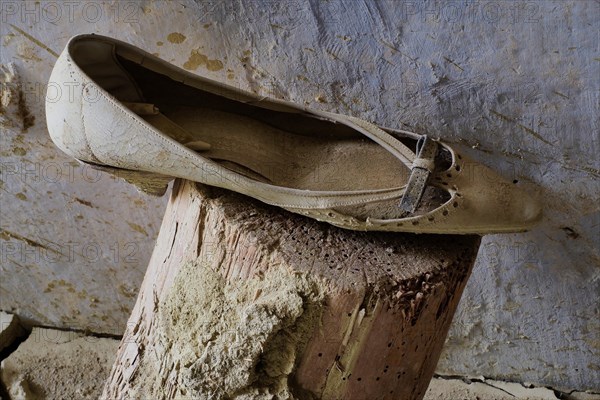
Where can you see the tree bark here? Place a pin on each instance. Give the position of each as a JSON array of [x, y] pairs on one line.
[[246, 301]]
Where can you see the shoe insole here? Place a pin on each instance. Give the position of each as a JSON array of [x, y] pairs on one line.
[[260, 151]]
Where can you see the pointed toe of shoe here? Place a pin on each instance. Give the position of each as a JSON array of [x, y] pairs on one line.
[[495, 205], [523, 211]]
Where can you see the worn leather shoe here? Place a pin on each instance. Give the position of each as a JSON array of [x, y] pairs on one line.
[[134, 115]]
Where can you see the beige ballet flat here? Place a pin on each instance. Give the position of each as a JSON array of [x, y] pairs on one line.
[[143, 119]]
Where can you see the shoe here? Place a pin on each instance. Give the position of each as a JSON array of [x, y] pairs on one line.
[[136, 116]]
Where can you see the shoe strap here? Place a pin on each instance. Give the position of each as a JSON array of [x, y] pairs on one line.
[[421, 165], [387, 141], [422, 168]]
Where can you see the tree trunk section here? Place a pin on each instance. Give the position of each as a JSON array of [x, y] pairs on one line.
[[246, 301]]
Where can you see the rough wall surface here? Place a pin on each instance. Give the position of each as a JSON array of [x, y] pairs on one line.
[[515, 82]]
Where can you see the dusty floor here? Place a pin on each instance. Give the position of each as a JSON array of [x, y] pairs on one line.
[[455, 389], [55, 364], [59, 364]]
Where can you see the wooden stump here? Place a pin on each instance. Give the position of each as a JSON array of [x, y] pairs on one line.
[[246, 301]]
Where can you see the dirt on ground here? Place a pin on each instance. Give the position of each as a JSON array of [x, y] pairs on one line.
[[55, 364]]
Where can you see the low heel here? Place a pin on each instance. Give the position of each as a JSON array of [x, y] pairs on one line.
[[147, 182]]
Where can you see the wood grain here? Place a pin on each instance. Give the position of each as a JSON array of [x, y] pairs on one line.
[[387, 304]]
